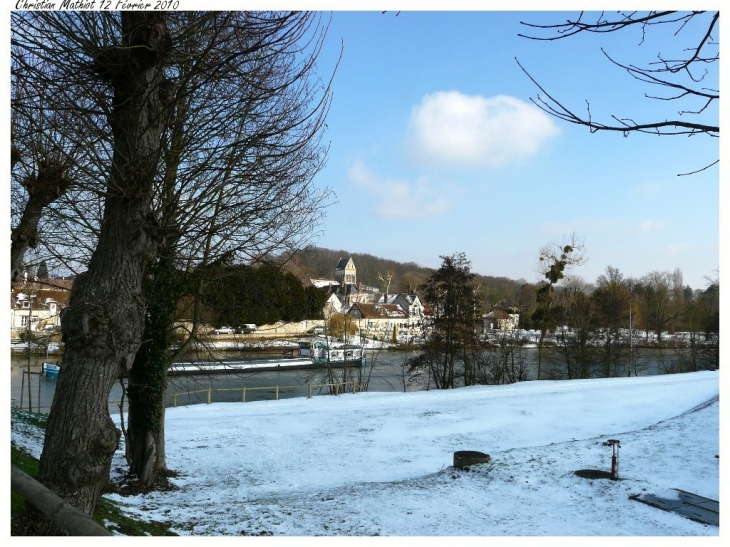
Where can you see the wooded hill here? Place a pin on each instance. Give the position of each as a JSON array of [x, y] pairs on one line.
[[319, 263]]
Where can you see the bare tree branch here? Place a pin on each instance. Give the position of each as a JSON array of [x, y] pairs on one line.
[[677, 77]]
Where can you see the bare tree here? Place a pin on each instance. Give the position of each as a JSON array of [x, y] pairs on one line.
[[385, 280], [689, 80], [42, 163], [180, 164], [123, 58], [554, 260], [236, 184], [48, 182], [663, 303], [612, 301]]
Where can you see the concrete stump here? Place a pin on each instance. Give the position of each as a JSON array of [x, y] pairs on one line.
[[463, 459]]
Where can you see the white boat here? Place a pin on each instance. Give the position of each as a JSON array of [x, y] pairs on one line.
[[339, 355], [186, 368], [50, 370], [316, 354]]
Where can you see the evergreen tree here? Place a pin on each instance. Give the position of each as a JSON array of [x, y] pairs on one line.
[[450, 292]]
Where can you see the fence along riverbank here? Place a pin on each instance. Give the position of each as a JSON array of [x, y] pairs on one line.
[[207, 396]]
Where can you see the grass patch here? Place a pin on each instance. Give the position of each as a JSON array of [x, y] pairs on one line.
[[111, 517], [23, 461], [28, 464]]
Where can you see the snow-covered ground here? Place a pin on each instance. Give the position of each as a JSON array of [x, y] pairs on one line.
[[380, 464]]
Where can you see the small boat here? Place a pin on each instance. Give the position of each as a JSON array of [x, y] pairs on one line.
[[337, 354], [50, 370]]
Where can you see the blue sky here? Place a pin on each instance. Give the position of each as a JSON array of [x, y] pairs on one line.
[[435, 148]]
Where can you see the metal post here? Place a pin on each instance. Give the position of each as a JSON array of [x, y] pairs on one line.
[[615, 444], [243, 395], [174, 400], [309, 391], [277, 393], [210, 394], [22, 390]]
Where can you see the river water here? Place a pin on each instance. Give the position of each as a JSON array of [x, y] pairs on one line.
[[383, 372]]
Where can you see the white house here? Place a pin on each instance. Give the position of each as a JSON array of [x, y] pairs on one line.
[[40, 313], [38, 304], [411, 303], [332, 305], [380, 319], [500, 319]]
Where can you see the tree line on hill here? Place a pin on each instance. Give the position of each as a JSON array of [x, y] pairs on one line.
[[319, 263]]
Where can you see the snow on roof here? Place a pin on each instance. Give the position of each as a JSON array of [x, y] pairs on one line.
[[321, 283], [376, 311]]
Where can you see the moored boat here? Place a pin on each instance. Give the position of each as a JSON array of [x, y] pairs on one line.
[[323, 353], [50, 370], [309, 355]]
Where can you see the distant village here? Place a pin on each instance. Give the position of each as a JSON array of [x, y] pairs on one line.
[[36, 306], [381, 313]]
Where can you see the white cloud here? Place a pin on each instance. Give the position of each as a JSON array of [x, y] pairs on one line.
[[400, 198], [451, 128]]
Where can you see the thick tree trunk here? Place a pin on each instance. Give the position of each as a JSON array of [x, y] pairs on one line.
[[102, 328], [103, 324], [148, 378]]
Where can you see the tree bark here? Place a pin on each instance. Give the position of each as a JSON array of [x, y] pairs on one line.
[[148, 377], [103, 323]]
